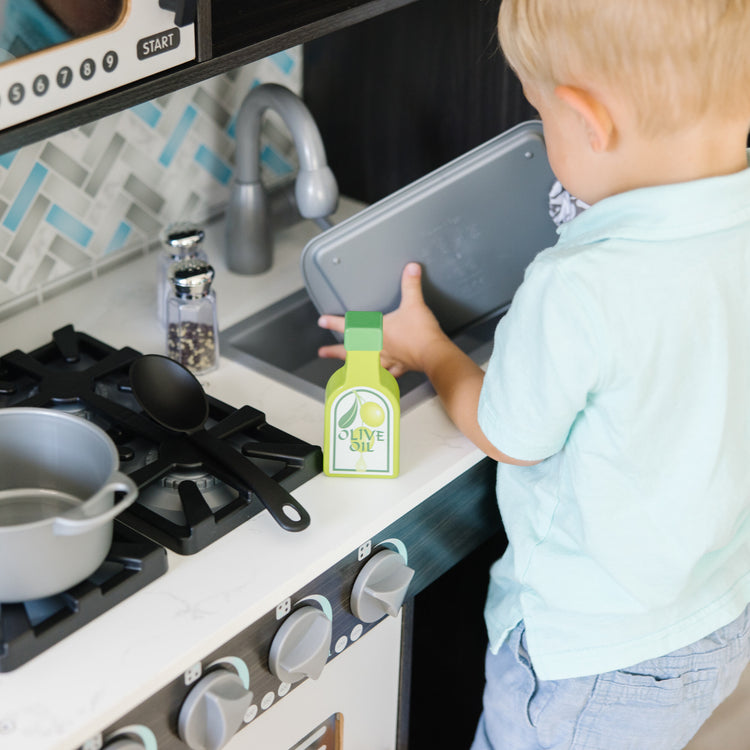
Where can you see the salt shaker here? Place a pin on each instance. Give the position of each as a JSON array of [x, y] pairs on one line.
[[182, 240], [192, 329]]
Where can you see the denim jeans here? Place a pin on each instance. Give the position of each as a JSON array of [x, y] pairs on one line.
[[658, 704]]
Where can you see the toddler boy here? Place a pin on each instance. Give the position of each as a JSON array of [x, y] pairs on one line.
[[617, 396]]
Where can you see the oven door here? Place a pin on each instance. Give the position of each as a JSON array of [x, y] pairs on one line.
[[51, 60], [353, 705]]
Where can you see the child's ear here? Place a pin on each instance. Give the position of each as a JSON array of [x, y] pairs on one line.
[[600, 127]]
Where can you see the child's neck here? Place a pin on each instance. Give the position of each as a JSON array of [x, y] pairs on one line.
[[708, 148]]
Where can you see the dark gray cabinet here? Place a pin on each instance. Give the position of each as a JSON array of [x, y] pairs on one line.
[[230, 33], [400, 94]]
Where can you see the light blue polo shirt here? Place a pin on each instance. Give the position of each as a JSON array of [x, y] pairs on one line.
[[624, 362]]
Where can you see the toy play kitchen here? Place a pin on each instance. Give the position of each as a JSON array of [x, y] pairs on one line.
[[71, 59], [211, 622]]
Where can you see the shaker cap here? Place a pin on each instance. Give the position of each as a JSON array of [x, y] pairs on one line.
[[192, 277], [182, 238], [363, 331]]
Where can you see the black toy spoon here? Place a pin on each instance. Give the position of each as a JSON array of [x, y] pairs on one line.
[[172, 396]]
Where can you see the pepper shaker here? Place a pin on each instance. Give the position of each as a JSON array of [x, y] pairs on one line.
[[192, 328], [182, 240]]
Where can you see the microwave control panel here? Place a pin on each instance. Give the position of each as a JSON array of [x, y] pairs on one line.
[[147, 39]]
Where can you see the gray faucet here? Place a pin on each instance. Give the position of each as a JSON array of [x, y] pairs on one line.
[[249, 240]]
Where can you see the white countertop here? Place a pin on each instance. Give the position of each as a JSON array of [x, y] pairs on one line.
[[76, 688]]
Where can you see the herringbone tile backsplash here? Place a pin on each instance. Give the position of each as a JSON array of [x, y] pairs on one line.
[[89, 199]]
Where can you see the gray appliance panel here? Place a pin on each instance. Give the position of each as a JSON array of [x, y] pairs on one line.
[[474, 225]]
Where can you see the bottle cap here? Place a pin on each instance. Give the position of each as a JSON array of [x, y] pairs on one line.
[[363, 331], [192, 278], [182, 234], [182, 239]]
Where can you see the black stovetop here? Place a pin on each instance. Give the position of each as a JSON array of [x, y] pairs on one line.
[[185, 502]]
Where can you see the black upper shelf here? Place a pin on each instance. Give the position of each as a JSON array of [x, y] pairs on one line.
[[239, 32]]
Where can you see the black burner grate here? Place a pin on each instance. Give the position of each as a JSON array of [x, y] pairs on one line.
[[29, 628], [290, 461]]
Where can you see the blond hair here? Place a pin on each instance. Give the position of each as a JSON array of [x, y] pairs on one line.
[[675, 60]]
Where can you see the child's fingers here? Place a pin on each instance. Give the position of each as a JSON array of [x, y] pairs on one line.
[[393, 366], [333, 351], [332, 322], [411, 283]]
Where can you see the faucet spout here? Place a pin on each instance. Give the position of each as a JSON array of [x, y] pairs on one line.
[[249, 241]]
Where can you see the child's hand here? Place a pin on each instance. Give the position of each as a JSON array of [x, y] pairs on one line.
[[413, 340], [409, 332]]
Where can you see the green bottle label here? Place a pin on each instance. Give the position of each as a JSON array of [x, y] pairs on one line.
[[361, 433]]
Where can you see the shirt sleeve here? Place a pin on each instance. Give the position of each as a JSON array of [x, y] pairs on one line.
[[544, 365]]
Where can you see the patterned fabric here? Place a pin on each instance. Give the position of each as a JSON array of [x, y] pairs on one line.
[[562, 205]]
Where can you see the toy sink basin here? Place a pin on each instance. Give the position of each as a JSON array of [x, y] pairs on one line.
[[474, 225]]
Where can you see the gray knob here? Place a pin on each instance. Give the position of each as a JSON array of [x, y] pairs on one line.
[[380, 588], [124, 743], [301, 645], [213, 710]]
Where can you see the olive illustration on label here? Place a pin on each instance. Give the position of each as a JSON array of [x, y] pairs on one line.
[[372, 414]]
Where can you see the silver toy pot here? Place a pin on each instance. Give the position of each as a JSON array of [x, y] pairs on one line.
[[58, 479]]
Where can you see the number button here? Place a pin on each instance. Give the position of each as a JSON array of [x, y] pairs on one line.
[[64, 77], [41, 85], [110, 60], [16, 93], [87, 69]]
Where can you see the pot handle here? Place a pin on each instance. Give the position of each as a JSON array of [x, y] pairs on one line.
[[77, 522]]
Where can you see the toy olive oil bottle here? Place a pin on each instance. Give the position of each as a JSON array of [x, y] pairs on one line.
[[362, 410]]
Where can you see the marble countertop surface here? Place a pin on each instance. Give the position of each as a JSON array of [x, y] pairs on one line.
[[72, 691]]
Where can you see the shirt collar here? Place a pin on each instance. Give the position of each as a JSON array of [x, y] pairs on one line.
[[662, 212]]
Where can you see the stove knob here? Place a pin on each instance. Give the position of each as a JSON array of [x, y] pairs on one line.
[[301, 645], [380, 588], [124, 743], [132, 737], [213, 710]]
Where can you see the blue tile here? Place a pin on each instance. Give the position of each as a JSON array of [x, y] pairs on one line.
[[178, 135], [274, 161], [148, 112], [25, 197], [66, 223], [284, 61], [118, 238], [7, 159], [213, 164]]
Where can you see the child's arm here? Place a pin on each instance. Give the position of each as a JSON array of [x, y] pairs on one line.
[[413, 340]]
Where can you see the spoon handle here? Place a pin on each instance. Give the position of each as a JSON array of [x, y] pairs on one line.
[[284, 509]]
